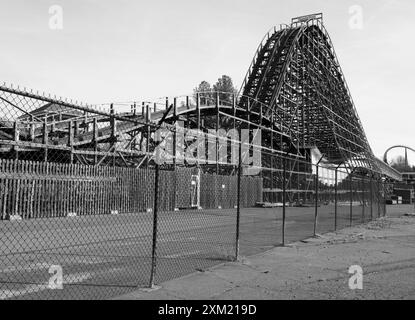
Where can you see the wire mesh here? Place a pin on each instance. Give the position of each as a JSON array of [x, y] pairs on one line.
[[326, 202], [201, 236], [71, 229], [86, 211], [300, 215]]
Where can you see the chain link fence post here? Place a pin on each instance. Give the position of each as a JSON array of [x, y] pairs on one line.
[[371, 197], [155, 227], [284, 191], [378, 198], [363, 199], [238, 208], [316, 202], [351, 199], [384, 198], [317, 196], [335, 197]]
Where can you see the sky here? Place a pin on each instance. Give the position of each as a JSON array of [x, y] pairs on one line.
[[125, 50]]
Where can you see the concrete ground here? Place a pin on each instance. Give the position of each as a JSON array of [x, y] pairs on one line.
[[316, 268]]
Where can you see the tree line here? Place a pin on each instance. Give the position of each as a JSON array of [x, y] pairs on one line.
[[224, 86]]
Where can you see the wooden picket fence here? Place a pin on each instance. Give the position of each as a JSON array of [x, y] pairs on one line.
[[35, 190]]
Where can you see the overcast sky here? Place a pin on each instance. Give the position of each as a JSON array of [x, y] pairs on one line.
[[112, 50]]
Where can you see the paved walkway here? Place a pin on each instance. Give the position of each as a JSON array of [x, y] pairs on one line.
[[313, 269]]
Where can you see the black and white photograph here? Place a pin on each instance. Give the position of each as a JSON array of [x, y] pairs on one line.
[[224, 152]]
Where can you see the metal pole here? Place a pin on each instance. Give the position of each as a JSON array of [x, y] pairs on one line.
[[384, 199], [351, 199], [316, 202], [335, 199], [155, 225], [238, 210], [316, 198], [284, 191], [217, 131], [371, 197], [148, 130], [378, 198], [363, 199]]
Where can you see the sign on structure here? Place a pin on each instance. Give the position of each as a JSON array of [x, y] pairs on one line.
[[302, 19]]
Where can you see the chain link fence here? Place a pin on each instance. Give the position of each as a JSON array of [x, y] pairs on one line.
[[86, 211]]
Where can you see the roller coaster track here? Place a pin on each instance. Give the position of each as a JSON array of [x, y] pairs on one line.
[[294, 90], [385, 157]]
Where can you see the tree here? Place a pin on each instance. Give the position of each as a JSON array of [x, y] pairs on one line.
[[205, 91], [225, 87], [399, 163]]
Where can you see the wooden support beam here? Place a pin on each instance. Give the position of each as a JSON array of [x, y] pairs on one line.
[[234, 105], [32, 129], [95, 138], [198, 111], [175, 134], [71, 139], [45, 139], [113, 124], [76, 128], [260, 114], [198, 126], [16, 139]]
